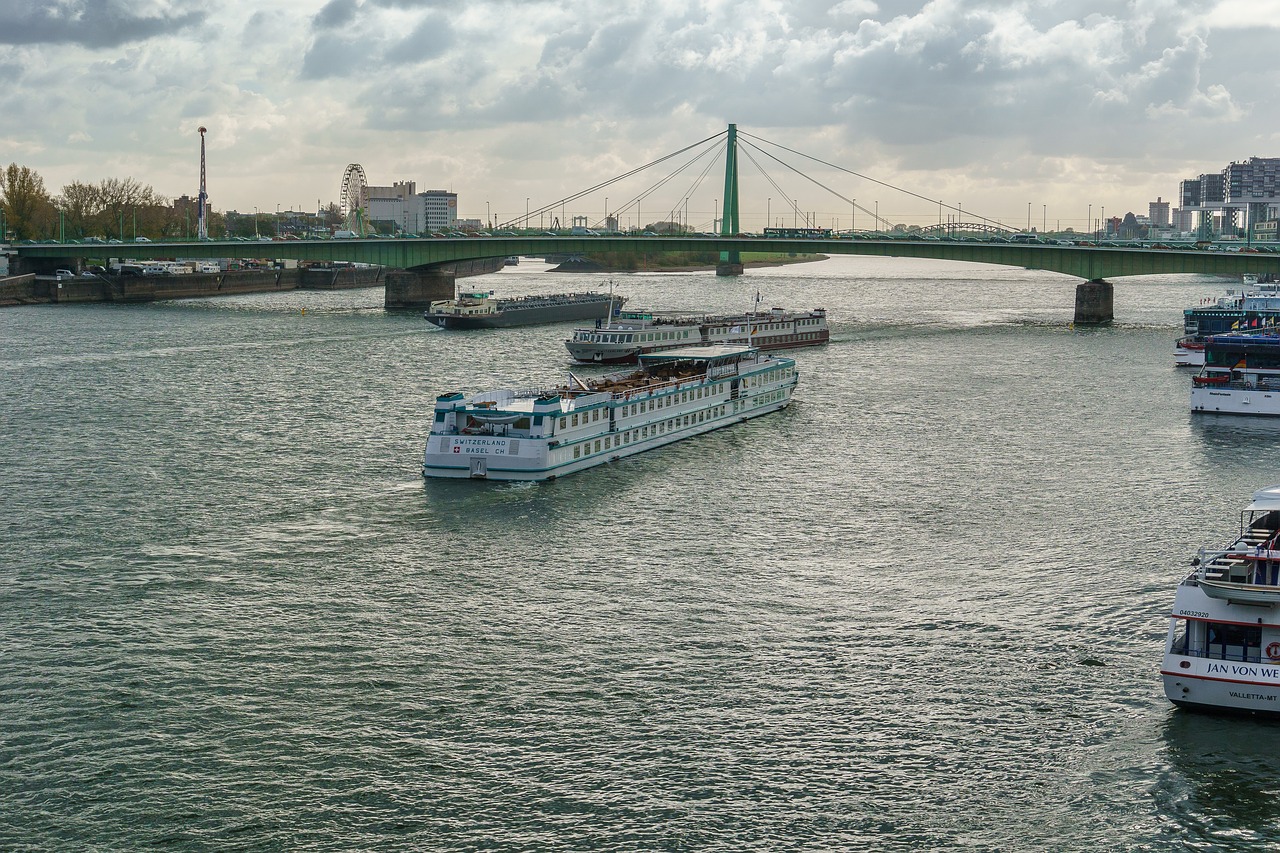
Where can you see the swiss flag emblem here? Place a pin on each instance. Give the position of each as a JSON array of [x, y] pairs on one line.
[[457, 449]]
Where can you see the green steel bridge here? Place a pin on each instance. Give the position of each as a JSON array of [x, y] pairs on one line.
[[428, 263], [1090, 263], [1094, 265]]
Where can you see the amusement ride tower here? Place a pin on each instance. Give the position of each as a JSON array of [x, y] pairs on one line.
[[202, 201]]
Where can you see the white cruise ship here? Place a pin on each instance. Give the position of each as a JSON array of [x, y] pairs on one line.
[[1223, 646], [541, 435], [1241, 374], [623, 338]]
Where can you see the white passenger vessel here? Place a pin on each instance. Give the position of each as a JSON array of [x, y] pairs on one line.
[[540, 435], [632, 333], [1223, 646], [1241, 375]]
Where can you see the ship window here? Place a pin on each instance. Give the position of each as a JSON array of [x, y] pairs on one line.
[[522, 423], [595, 415], [1233, 642], [575, 418], [562, 422], [577, 451]]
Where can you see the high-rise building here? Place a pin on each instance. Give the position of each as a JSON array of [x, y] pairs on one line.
[[1159, 213], [436, 210]]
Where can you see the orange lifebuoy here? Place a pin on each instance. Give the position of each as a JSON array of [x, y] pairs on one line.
[[1273, 651]]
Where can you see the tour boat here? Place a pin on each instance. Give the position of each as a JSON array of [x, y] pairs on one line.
[[481, 310], [633, 333], [1223, 648], [1250, 306], [541, 435], [1241, 374]]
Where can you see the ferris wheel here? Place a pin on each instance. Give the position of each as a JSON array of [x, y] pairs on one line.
[[355, 197]]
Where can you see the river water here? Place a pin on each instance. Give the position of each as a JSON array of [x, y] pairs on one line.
[[921, 609]]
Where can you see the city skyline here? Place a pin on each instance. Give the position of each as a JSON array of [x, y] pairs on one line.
[[1010, 110]]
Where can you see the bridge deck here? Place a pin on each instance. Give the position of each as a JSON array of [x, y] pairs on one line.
[[1086, 262]]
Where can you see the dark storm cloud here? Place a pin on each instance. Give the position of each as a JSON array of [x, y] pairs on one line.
[[92, 24], [336, 13], [433, 37], [333, 55]]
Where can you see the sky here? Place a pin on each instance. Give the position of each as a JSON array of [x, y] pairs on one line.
[[1042, 112]]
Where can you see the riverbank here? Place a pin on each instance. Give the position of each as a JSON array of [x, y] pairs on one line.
[[39, 290]]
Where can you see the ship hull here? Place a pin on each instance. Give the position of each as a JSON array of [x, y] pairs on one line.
[[598, 354], [1236, 401], [543, 315], [491, 461]]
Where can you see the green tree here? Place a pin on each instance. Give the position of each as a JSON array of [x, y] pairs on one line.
[[27, 207]]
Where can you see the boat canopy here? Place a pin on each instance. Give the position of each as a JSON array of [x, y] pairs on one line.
[[705, 352], [1265, 500]]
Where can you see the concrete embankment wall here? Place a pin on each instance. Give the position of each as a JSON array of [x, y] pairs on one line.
[[23, 290], [28, 289], [404, 288]]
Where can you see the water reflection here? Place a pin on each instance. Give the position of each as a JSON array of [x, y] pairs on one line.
[[1221, 785]]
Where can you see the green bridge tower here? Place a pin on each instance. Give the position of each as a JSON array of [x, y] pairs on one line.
[[730, 262]]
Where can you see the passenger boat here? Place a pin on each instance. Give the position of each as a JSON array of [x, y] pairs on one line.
[[541, 435], [1223, 647], [1241, 375], [481, 310], [1234, 310], [633, 333]]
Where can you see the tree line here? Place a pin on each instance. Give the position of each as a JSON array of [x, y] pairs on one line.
[[112, 207], [121, 209]]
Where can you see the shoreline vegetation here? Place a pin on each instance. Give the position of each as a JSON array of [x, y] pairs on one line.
[[675, 261]]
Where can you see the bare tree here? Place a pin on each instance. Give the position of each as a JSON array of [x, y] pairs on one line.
[[28, 210]]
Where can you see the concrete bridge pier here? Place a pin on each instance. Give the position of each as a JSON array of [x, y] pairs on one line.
[[1095, 303], [418, 288]]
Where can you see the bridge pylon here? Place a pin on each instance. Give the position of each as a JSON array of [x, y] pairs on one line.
[[730, 262]]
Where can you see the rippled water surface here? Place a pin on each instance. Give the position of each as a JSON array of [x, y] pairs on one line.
[[921, 609]]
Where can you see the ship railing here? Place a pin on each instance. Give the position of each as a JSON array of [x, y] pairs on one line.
[[1238, 564], [1263, 383]]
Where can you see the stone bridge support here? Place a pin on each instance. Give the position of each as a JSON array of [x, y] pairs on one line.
[[418, 288], [1095, 303]]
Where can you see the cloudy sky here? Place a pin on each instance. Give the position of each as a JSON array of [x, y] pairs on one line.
[[990, 105]]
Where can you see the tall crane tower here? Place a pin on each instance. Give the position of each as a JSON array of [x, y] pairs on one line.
[[202, 201]]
